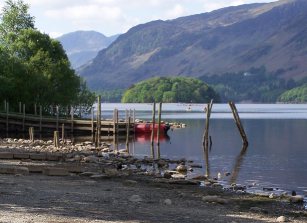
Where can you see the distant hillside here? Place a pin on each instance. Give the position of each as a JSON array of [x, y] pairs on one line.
[[232, 39], [83, 46]]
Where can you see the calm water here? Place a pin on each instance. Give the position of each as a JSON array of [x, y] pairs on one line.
[[277, 151]]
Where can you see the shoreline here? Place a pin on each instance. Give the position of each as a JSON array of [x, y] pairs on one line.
[[40, 161]]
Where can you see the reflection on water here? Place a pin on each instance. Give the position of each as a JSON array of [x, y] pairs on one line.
[[238, 165]]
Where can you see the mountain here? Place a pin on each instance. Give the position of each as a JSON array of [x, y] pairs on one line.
[[232, 39], [83, 46]]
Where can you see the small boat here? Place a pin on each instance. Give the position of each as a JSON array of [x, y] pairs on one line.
[[147, 127]]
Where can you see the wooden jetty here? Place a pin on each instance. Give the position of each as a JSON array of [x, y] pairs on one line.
[[21, 122]]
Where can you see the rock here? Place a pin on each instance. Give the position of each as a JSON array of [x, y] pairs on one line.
[[90, 159], [88, 174], [162, 163], [135, 198], [54, 171], [167, 202], [268, 189], [271, 196], [167, 175], [181, 168], [99, 176], [130, 182], [200, 178], [196, 166], [217, 185], [214, 199], [178, 176], [258, 210], [281, 219], [112, 172], [296, 199]]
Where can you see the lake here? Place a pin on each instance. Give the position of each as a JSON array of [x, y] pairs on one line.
[[277, 133]]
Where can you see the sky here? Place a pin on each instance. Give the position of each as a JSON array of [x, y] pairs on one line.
[[110, 17]]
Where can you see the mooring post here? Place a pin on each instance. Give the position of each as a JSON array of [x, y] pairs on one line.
[[117, 121], [206, 137], [238, 122], [23, 117], [40, 118], [56, 139], [93, 126], [153, 128], [127, 134], [99, 121], [159, 126], [31, 134]]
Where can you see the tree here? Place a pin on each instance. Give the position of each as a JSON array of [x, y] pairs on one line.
[[176, 89], [15, 18], [36, 69]]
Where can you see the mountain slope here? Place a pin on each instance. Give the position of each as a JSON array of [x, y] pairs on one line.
[[232, 39], [83, 46]]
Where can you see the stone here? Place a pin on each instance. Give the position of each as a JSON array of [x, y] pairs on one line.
[[258, 210], [99, 176], [88, 174], [281, 219], [6, 155], [38, 156], [55, 171], [167, 202], [178, 176], [296, 199], [181, 168], [112, 172], [196, 166], [130, 182], [21, 156], [217, 185], [214, 199], [35, 168], [135, 198], [271, 196], [53, 156], [14, 170], [90, 159]]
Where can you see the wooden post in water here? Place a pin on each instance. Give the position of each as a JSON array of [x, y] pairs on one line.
[[158, 131], [40, 118], [57, 118], [72, 119], [238, 122], [20, 107], [127, 135], [23, 117], [56, 139], [31, 134], [99, 121], [5, 106], [153, 128], [206, 137], [93, 125]]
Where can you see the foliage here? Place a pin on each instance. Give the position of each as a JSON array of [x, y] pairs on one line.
[[173, 89], [254, 85], [34, 67], [111, 95], [295, 95]]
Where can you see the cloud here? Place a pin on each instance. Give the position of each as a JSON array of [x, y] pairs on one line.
[[175, 12], [85, 12]]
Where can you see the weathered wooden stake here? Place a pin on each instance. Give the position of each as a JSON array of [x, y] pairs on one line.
[[31, 134], [56, 139], [206, 137], [99, 121], [238, 122], [158, 131], [153, 129], [128, 134]]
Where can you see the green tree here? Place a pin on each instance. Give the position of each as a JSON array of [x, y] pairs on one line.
[[178, 89]]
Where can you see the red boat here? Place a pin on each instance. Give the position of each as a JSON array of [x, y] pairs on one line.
[[147, 128]]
